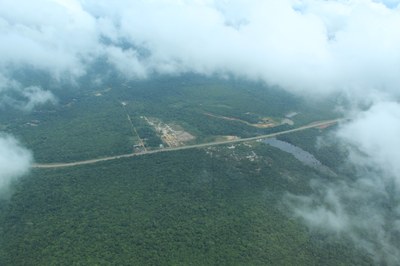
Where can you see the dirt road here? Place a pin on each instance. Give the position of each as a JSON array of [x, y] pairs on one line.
[[201, 145]]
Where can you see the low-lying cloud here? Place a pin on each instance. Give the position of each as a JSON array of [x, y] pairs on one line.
[[374, 139], [15, 161], [15, 95], [364, 207], [305, 45], [311, 47]]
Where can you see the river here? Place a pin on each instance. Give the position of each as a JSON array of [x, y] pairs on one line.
[[300, 154]]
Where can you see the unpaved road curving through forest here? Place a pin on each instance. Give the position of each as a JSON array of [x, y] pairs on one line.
[[201, 145]]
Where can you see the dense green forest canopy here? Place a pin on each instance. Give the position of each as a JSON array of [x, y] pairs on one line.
[[221, 205], [90, 121], [214, 206]]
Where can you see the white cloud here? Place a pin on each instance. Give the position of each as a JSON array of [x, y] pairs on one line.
[[364, 207], [389, 3], [310, 47], [36, 96], [15, 161], [28, 97], [364, 210], [375, 134], [7, 84], [330, 215], [126, 62], [46, 35]]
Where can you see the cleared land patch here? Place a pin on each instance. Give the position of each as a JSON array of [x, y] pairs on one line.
[[264, 123], [171, 135]]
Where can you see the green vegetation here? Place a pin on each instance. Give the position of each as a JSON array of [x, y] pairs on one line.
[[197, 207], [83, 128], [329, 151], [215, 206], [90, 122]]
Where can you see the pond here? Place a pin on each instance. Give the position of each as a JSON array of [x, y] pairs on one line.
[[300, 154]]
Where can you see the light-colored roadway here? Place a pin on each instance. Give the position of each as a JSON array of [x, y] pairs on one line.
[[201, 145]]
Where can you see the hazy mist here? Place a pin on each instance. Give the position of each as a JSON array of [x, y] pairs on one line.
[[14, 162]]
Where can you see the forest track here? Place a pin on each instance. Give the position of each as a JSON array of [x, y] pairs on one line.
[[201, 145]]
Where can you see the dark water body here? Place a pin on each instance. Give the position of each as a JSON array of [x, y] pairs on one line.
[[300, 154]]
